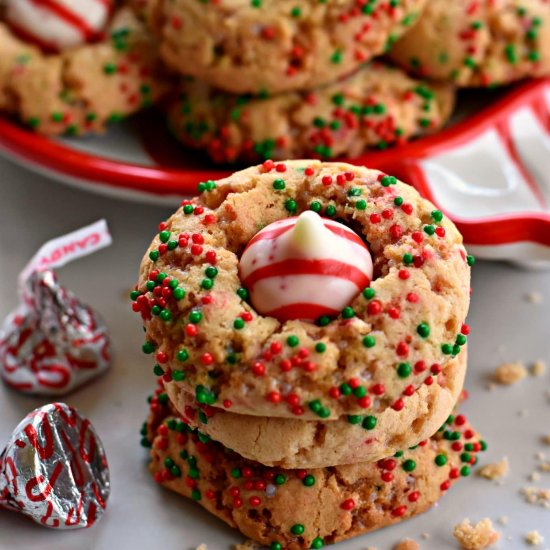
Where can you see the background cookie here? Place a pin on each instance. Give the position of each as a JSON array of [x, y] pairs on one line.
[[299, 509], [376, 107], [483, 43], [290, 443], [272, 46], [81, 90], [207, 338]]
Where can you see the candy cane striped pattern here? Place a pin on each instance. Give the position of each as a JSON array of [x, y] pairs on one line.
[[290, 284], [58, 24]]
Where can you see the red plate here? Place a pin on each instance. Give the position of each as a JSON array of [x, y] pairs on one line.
[[489, 172]]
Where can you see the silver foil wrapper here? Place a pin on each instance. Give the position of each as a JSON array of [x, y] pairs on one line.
[[52, 343], [54, 469]]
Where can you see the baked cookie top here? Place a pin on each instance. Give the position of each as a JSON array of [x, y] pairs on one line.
[[82, 89], [307, 508], [257, 46], [207, 337], [294, 443], [485, 43], [378, 106]]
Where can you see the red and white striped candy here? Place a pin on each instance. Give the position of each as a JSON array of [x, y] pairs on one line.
[[304, 267], [58, 24]]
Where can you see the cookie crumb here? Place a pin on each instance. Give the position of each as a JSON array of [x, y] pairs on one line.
[[535, 476], [534, 538], [407, 544], [533, 495], [509, 373], [496, 470], [476, 537], [546, 439], [503, 520], [544, 466], [425, 536], [538, 368], [534, 297], [202, 547], [246, 545]]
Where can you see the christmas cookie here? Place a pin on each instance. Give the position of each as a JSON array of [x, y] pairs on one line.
[[290, 443], [257, 46], [376, 107], [80, 90], [307, 508], [403, 327], [485, 43]]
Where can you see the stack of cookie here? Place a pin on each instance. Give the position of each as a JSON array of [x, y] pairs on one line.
[[284, 79], [307, 321]]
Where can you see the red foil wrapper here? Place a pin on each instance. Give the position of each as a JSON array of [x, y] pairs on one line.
[[52, 343], [54, 469]]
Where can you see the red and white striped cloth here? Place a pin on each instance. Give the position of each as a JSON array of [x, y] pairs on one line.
[[318, 273], [58, 24]]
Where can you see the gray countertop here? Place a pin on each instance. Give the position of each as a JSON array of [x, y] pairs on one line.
[[506, 326]]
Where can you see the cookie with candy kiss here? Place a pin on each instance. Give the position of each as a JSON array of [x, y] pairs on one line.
[[305, 267], [58, 24]]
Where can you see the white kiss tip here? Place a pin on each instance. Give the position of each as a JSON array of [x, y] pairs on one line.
[[309, 234]]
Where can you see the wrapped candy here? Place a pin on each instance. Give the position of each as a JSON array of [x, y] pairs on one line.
[[52, 343], [54, 469], [58, 24], [304, 267]]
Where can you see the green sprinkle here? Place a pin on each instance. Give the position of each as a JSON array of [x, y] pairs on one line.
[[315, 206], [354, 419], [348, 313], [471, 260], [429, 229], [317, 543], [408, 258], [369, 293], [404, 370], [437, 215], [409, 465], [157, 370], [178, 375], [361, 204], [279, 479], [291, 205], [195, 317], [179, 293], [292, 341], [440, 460], [369, 422], [297, 529], [423, 329], [242, 293], [330, 210], [345, 389], [182, 355], [279, 184], [154, 255], [236, 473], [238, 323], [386, 181], [447, 349], [309, 481], [369, 341], [148, 347], [320, 347]]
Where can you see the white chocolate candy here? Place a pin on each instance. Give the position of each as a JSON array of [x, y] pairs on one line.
[[58, 24], [304, 267]]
